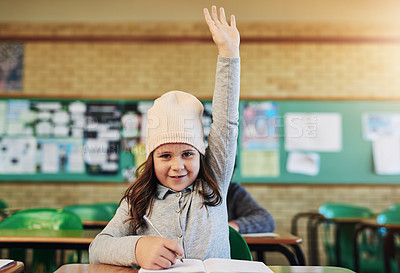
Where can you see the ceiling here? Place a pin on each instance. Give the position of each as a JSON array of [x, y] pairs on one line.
[[191, 10]]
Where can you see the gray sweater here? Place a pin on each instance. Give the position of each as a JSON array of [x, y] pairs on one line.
[[202, 231], [246, 212]]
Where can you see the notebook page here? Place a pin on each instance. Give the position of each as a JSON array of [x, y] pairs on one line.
[[189, 265], [217, 265], [5, 262]]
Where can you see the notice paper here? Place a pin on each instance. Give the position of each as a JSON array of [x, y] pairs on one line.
[[17, 155], [303, 163], [259, 163], [386, 152], [378, 125], [313, 132]]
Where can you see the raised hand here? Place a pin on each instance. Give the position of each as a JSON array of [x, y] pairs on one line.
[[225, 36]]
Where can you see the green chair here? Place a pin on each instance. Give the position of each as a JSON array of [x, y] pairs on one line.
[[340, 225], [390, 216], [239, 248], [40, 219], [3, 204], [3, 208], [110, 207], [395, 206], [91, 212]]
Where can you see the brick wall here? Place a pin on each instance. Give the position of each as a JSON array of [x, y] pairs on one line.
[[287, 61]]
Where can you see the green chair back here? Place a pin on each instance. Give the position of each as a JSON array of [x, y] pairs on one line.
[[40, 219], [390, 216], [88, 212], [239, 248], [3, 210], [111, 208], [372, 257], [3, 204], [342, 232], [343, 210], [45, 219]]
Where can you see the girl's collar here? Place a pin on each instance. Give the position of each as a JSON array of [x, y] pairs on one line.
[[162, 191]]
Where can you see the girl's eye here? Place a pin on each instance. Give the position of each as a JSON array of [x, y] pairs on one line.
[[187, 154], [165, 156]]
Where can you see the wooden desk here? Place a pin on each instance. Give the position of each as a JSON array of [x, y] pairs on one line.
[[81, 239], [50, 239], [103, 268], [17, 267], [267, 244], [94, 224]]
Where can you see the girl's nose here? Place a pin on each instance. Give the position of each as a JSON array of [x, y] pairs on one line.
[[177, 164]]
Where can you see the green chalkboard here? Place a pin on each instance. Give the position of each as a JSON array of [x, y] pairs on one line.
[[353, 164]]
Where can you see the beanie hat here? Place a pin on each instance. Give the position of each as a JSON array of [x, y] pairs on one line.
[[175, 117]]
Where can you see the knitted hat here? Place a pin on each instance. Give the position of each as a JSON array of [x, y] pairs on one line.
[[175, 117]]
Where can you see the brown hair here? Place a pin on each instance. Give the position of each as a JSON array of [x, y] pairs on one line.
[[140, 195]]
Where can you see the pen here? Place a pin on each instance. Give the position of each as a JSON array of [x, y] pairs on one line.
[[159, 234]]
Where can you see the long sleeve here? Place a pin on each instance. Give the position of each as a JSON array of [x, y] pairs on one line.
[[221, 151], [246, 212], [115, 244]]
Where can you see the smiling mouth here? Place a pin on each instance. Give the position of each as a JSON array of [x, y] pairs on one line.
[[177, 176]]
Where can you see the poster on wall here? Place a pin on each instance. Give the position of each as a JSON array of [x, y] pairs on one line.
[[11, 66], [313, 132], [259, 140], [377, 125]]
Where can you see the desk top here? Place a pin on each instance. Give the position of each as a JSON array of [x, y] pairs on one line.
[[55, 237], [373, 223], [284, 238], [103, 268], [85, 237]]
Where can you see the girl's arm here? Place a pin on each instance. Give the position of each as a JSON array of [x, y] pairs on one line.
[[222, 139], [116, 245]]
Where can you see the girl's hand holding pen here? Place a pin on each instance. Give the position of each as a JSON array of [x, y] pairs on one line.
[[157, 253]]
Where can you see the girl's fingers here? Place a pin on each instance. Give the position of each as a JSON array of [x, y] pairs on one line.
[[233, 21], [214, 14], [207, 16], [222, 16]]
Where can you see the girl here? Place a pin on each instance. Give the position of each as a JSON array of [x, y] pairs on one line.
[[182, 185]]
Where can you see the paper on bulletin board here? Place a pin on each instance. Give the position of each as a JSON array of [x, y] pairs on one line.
[[3, 115], [17, 155], [313, 132], [386, 151], [61, 155], [381, 124], [259, 163], [259, 140], [259, 126], [303, 163]]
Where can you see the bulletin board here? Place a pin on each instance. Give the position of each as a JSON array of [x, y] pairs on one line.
[[66, 140], [353, 164]]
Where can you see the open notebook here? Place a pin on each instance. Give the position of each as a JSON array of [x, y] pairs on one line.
[[5, 262], [215, 265]]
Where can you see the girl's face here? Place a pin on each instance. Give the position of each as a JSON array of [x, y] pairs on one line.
[[176, 165]]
